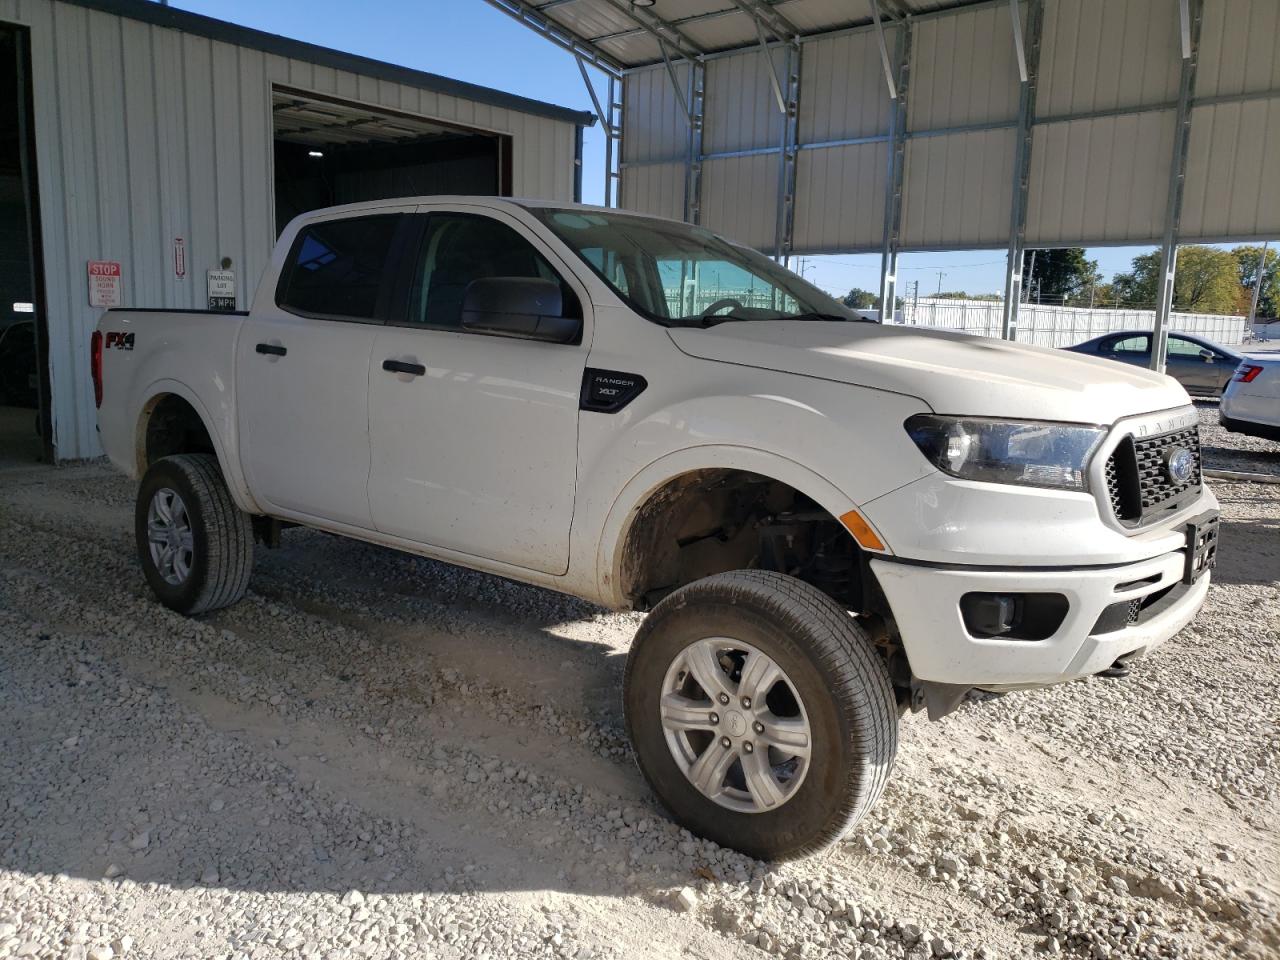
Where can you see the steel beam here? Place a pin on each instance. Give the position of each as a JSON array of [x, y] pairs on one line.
[[613, 144], [1259, 279], [1191, 13], [899, 84], [658, 28], [1030, 46], [1019, 49], [766, 62], [591, 90], [527, 14], [675, 83], [889, 80], [693, 155], [785, 226], [768, 17]]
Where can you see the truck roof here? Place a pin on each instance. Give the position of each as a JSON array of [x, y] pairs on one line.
[[527, 203]]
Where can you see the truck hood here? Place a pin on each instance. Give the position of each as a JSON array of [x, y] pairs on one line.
[[951, 372]]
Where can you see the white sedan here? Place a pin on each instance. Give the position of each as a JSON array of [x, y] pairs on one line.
[[1251, 402]]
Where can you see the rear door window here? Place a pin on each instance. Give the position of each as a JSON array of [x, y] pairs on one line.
[[337, 269], [1185, 348], [1128, 346]]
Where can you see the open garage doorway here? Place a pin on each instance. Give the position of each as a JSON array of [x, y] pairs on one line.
[[23, 383], [330, 151]]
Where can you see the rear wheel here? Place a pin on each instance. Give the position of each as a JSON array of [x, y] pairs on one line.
[[760, 713], [195, 545]]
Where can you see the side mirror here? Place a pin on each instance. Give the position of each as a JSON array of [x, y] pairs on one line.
[[1207, 356], [518, 307]]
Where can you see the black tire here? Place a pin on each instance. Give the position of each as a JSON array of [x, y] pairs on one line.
[[222, 535], [837, 673]]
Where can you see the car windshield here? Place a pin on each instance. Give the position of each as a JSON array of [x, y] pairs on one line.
[[678, 274]]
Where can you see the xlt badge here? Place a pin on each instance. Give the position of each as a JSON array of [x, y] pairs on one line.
[[608, 391]]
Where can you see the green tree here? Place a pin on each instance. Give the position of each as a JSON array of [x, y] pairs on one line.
[[1207, 280], [1248, 258], [860, 299], [1062, 275]]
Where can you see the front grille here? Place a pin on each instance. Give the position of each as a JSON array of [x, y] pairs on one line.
[[1139, 484]]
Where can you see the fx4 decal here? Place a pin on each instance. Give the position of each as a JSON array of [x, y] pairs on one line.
[[116, 340]]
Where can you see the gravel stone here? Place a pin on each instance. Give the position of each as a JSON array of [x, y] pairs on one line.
[[430, 765]]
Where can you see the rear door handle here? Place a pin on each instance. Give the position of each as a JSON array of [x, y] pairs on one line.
[[403, 366], [273, 349]]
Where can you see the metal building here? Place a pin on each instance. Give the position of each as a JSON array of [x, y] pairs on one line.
[[162, 145], [844, 126]]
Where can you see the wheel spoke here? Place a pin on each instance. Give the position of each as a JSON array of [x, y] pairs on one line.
[[759, 674], [709, 770], [186, 541], [702, 663], [766, 790], [681, 713], [157, 532], [789, 735], [181, 564], [161, 503]]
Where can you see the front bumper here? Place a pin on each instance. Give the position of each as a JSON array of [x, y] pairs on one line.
[[925, 601]]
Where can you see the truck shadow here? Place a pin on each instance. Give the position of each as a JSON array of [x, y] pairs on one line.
[[1248, 551], [361, 720]]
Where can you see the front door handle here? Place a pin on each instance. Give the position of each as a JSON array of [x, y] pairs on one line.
[[403, 366], [272, 349]]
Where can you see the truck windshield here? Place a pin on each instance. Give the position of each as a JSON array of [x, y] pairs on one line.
[[682, 275]]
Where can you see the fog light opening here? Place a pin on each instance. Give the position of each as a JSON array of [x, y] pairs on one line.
[[1013, 616]]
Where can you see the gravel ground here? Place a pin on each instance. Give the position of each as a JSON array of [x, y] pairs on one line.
[[1224, 450], [375, 755]]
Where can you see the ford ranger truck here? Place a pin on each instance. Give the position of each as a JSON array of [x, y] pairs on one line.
[[830, 521]]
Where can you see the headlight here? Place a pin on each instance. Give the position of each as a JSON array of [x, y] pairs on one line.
[[1026, 452]]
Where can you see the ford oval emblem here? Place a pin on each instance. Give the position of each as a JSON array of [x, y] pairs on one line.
[[1180, 464]]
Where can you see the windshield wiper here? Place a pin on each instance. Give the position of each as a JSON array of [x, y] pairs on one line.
[[713, 320], [837, 317]]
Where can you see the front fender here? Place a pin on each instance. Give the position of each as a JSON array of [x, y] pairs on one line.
[[627, 505]]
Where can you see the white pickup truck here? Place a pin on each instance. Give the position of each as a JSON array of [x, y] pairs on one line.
[[831, 521]]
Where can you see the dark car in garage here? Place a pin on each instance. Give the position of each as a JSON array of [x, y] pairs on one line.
[[1203, 367]]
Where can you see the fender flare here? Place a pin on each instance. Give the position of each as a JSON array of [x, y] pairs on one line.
[[230, 465], [637, 491]]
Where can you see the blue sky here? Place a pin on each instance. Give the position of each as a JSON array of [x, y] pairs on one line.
[[470, 40]]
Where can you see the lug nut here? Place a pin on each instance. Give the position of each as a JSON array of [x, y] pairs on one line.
[[746, 703], [748, 747], [724, 698], [714, 718], [724, 742], [758, 727]]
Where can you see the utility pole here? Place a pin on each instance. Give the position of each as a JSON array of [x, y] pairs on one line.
[[1031, 275], [1258, 280], [940, 276]]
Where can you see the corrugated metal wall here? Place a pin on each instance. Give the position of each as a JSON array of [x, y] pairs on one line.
[[1232, 188], [1102, 141], [144, 134], [1104, 180]]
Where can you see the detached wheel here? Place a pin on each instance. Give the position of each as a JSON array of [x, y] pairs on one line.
[[195, 545], [760, 713]]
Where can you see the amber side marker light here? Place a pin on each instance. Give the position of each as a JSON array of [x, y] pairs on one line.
[[862, 531]]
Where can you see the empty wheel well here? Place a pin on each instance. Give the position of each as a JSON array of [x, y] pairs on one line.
[[713, 521], [170, 425]]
